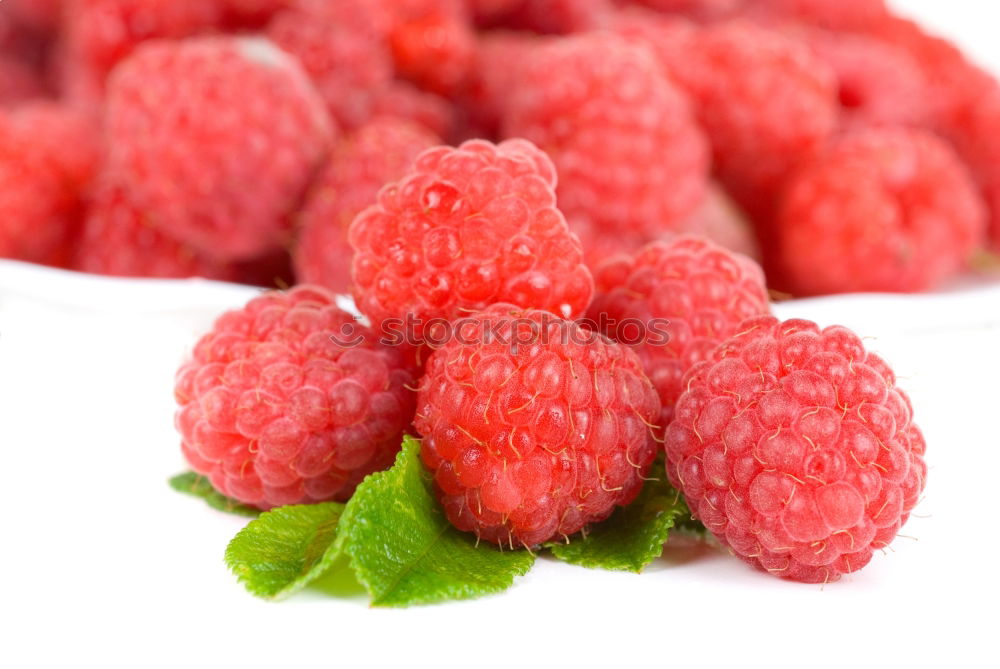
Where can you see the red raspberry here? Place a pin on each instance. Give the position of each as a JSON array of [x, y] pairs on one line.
[[883, 210], [879, 84], [795, 448], [100, 33], [433, 43], [765, 102], [274, 411], [465, 228], [499, 57], [629, 155], [47, 154], [685, 295], [361, 164], [342, 46], [118, 240], [187, 159], [238, 14], [533, 426]]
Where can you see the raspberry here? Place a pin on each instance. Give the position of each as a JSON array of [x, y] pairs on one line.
[[965, 103], [433, 43], [47, 154], [375, 154], [630, 157], [687, 294], [118, 240], [186, 159], [883, 210], [766, 104], [342, 46], [533, 426], [239, 14], [499, 57], [796, 449], [879, 84], [100, 33], [465, 228], [274, 411]]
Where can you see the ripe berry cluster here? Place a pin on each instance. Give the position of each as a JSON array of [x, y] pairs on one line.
[[503, 186]]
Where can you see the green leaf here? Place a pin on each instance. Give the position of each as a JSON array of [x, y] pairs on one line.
[[197, 485], [285, 549], [403, 549], [633, 536]]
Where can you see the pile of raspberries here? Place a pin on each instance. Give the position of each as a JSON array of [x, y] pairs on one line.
[[562, 221]]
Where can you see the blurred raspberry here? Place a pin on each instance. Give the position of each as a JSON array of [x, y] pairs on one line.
[[766, 104], [879, 84], [795, 448], [533, 426], [686, 295], [629, 155], [883, 210], [965, 105], [119, 240], [185, 159], [499, 57], [47, 158], [243, 14], [342, 46], [375, 154], [274, 411], [465, 228], [100, 33], [433, 43]]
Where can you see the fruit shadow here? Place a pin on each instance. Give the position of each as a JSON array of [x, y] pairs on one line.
[[339, 581]]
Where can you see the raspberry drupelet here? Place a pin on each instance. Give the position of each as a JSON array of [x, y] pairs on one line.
[[277, 407], [187, 159], [630, 157], [377, 153], [533, 426], [795, 448], [882, 210], [465, 228], [694, 291]]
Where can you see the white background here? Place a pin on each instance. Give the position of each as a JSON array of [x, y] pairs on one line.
[[102, 564]]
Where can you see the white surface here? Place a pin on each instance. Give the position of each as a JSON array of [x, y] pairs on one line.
[[104, 565]]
